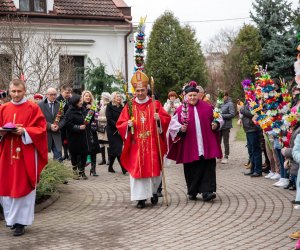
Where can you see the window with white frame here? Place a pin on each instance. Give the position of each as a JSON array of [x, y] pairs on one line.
[[33, 5]]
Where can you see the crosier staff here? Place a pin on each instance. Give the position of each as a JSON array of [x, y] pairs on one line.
[[159, 147]]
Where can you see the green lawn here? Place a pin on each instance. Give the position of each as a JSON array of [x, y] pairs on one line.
[[240, 134]]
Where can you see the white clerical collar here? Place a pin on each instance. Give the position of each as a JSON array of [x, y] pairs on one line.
[[142, 101], [20, 102]]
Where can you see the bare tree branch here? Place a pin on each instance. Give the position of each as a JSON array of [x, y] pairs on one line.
[[34, 54]]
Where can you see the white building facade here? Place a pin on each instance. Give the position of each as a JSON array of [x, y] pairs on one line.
[[99, 30]]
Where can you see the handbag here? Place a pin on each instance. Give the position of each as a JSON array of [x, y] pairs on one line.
[[287, 164], [101, 128]]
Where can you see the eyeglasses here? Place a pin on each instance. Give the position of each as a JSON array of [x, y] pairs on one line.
[[52, 94]]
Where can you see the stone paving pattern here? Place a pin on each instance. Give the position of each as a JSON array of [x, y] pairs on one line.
[[249, 213]]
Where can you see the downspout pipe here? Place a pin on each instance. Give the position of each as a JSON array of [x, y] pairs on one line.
[[126, 48]]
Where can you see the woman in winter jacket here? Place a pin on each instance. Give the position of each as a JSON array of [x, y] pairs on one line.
[[88, 101], [293, 166], [77, 135], [172, 103], [102, 123], [113, 111]]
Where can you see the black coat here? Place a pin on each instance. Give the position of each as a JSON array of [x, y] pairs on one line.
[[114, 139], [92, 132], [66, 107], [78, 140]]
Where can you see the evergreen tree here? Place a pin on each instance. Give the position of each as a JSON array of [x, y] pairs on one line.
[[274, 19], [173, 55], [193, 64], [96, 78], [297, 18], [241, 59]]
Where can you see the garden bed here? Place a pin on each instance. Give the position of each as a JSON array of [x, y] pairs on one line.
[[52, 176]]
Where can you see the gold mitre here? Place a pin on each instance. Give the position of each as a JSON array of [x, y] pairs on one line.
[[139, 80]]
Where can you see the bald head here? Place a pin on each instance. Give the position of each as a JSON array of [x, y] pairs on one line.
[[51, 90], [51, 94]]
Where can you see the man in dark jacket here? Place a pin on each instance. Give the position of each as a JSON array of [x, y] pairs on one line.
[[228, 113], [50, 108], [65, 94], [253, 140]]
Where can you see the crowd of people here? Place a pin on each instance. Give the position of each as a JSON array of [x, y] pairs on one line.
[[140, 135], [270, 119]]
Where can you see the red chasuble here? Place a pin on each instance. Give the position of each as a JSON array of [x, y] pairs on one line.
[[140, 155], [18, 175]]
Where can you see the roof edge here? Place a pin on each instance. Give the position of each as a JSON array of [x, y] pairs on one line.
[[49, 15]]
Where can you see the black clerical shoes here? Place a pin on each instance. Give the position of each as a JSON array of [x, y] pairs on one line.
[[154, 199], [256, 175], [208, 196], [11, 227], [141, 204], [192, 197], [20, 229]]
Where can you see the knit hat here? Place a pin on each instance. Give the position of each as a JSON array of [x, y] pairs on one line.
[[191, 87]]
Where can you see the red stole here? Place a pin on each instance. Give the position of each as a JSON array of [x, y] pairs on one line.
[[18, 175], [140, 155]]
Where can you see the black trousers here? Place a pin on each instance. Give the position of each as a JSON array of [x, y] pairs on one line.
[[224, 134], [79, 161], [200, 176], [93, 158]]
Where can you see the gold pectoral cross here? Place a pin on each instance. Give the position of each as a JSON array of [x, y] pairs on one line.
[[18, 150], [143, 119]]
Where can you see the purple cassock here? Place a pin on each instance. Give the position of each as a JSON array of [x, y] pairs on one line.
[[184, 149]]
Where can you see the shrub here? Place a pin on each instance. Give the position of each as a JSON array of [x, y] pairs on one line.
[[52, 175]]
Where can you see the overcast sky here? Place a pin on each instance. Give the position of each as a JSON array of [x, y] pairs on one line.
[[200, 14]]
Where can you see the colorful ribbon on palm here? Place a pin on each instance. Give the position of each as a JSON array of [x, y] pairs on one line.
[[271, 107], [217, 110], [90, 113], [60, 112]]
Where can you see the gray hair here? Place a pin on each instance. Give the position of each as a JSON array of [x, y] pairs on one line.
[[114, 94], [201, 90], [51, 89], [105, 96]]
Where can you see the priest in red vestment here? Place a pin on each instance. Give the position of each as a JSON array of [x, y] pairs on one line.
[[137, 125], [23, 155]]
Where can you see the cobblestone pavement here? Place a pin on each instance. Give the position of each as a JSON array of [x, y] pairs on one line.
[[249, 213]]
